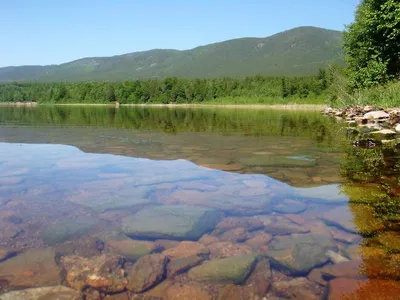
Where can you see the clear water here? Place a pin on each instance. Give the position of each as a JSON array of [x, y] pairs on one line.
[[93, 183]]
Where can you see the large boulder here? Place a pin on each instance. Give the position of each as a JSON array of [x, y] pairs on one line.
[[177, 222], [227, 270], [103, 272], [378, 114], [147, 272], [298, 254]]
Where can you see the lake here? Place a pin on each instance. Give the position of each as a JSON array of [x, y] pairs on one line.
[[194, 203]]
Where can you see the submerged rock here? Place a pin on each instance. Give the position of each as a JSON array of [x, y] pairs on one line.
[[237, 235], [101, 201], [298, 288], [298, 254], [68, 229], [147, 272], [348, 269], [103, 272], [226, 249], [187, 249], [177, 222], [182, 264], [226, 270], [290, 207], [34, 268], [131, 250], [255, 287], [43, 293], [249, 224], [283, 226], [183, 291]]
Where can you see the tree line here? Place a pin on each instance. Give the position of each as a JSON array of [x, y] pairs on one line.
[[168, 90]]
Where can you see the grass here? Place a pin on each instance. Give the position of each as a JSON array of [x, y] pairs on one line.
[[321, 99], [383, 96]]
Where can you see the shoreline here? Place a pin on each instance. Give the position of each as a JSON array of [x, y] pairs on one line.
[[311, 107]]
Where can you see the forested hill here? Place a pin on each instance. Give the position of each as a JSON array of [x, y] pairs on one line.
[[296, 52]]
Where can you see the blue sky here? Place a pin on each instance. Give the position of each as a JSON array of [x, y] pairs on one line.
[[57, 31]]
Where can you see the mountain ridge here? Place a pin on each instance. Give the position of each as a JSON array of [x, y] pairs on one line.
[[298, 51]]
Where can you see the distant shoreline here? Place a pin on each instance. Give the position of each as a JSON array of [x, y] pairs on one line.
[[314, 107]]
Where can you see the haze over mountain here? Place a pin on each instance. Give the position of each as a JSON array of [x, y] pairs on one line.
[[296, 52]]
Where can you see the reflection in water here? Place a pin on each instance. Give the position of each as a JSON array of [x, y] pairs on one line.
[[300, 148], [186, 209]]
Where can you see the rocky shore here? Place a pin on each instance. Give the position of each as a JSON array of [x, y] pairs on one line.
[[371, 126]]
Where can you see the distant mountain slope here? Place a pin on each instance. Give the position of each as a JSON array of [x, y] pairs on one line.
[[299, 51]]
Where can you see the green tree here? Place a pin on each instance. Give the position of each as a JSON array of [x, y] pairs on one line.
[[111, 94], [372, 43], [285, 91]]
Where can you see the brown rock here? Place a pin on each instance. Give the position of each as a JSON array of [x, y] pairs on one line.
[[237, 235], [346, 237], [316, 276], [298, 219], [260, 241], [255, 287], [249, 224], [179, 291], [283, 226], [226, 249], [318, 228], [166, 244], [350, 269], [183, 264], [298, 288], [4, 254], [34, 268], [208, 240], [187, 249], [103, 272], [147, 272], [120, 296]]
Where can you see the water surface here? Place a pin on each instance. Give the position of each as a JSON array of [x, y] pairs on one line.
[[163, 202]]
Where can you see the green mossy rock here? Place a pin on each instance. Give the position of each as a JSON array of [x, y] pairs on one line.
[[130, 249], [176, 222], [68, 229], [227, 270]]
